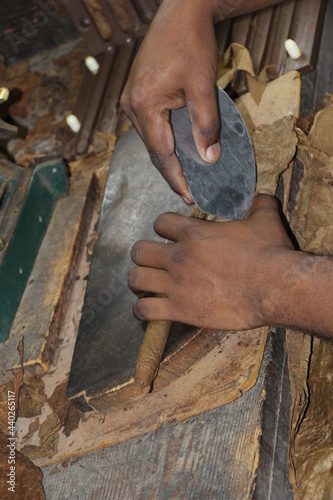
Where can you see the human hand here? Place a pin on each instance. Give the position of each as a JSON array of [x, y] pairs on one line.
[[176, 66], [214, 275]]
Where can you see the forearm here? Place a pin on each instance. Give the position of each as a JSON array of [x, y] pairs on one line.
[[225, 9], [302, 295], [218, 10]]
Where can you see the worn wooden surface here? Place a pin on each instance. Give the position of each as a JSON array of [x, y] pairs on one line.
[[213, 456], [40, 314], [109, 336], [218, 378]]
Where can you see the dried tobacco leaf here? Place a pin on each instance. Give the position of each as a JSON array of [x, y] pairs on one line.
[[236, 57], [32, 396], [11, 390], [274, 147], [28, 477], [72, 420], [48, 449], [320, 136], [314, 442], [33, 427], [48, 427], [311, 444], [59, 402]]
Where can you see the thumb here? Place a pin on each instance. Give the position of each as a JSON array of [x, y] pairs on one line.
[[203, 110], [264, 204]]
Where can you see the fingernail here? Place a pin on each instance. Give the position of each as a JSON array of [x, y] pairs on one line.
[[213, 152], [187, 201], [265, 191]]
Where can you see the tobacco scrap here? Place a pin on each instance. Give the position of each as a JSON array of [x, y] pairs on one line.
[[28, 477], [48, 427], [11, 389], [68, 416], [59, 402], [17, 471], [41, 97], [275, 147], [72, 421], [313, 457], [237, 58], [32, 396], [311, 446], [33, 427], [48, 449]]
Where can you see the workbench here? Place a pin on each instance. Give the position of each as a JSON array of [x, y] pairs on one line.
[[239, 450], [209, 456]]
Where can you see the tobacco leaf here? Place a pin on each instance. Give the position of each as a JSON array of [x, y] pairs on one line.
[[72, 420], [32, 396], [48, 449], [13, 386], [298, 346], [274, 147], [33, 427], [311, 443], [48, 427], [28, 477], [238, 58], [59, 402], [318, 136], [314, 442], [257, 85], [69, 417]]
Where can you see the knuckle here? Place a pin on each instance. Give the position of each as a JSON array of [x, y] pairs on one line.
[[124, 102], [190, 231], [179, 257], [161, 158], [209, 130], [138, 98]]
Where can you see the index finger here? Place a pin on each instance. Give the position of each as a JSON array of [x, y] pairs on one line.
[[160, 142]]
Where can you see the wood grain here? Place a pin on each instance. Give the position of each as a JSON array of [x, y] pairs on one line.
[[46, 296], [186, 396]]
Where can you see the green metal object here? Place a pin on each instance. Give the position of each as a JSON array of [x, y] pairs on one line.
[[48, 183]]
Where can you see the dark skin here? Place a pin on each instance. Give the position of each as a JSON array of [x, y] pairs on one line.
[[176, 66], [231, 276]]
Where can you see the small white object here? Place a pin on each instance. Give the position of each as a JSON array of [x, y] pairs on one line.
[[73, 123], [292, 48], [92, 64]]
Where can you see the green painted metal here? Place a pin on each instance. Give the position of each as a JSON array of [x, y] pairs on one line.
[[49, 183]]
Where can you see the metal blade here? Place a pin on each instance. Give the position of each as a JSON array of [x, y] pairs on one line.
[[225, 188]]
